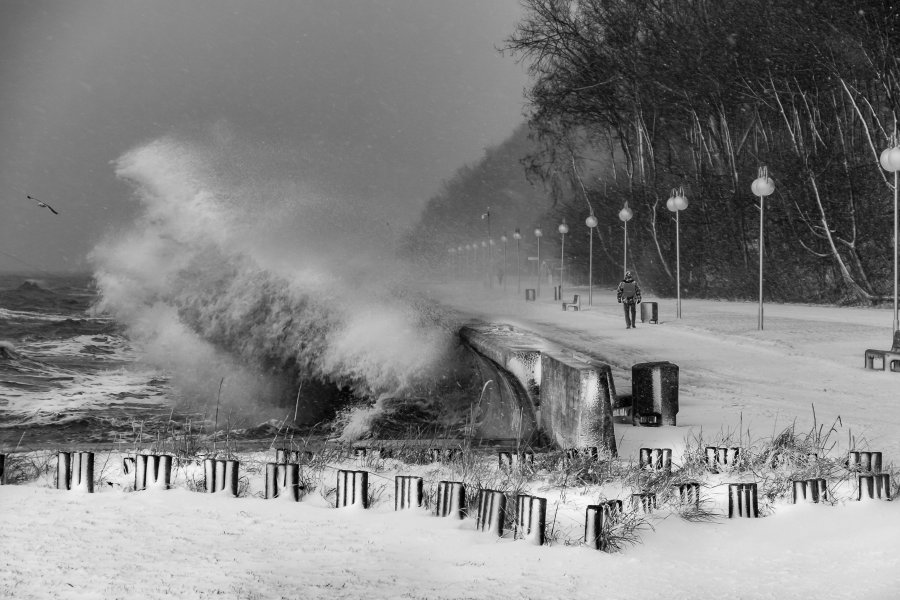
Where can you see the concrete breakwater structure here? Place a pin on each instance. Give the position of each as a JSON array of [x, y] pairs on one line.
[[543, 390]]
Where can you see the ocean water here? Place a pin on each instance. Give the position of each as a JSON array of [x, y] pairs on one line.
[[67, 373]]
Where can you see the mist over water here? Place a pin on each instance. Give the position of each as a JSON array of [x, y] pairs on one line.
[[240, 267]]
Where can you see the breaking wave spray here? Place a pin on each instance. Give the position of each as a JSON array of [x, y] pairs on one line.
[[234, 269]]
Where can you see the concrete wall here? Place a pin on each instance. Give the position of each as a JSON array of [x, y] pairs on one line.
[[570, 397], [576, 402]]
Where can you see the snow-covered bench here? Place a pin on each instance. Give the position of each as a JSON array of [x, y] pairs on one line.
[[575, 304], [890, 359]]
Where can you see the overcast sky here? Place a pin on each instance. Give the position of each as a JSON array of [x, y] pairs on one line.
[[383, 99]]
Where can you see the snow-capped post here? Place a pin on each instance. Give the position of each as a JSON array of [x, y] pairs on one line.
[[593, 528], [689, 493], [491, 511], [83, 472], [874, 486], [284, 456], [644, 502], [407, 492], [451, 499], [654, 390], [440, 455], [717, 458], [516, 460], [597, 522], [531, 518], [63, 470], [742, 500], [352, 489], [2, 469], [221, 476], [152, 471], [75, 471], [864, 462], [810, 490], [283, 481], [655, 459]]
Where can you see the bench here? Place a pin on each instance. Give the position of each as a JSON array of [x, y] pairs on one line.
[[890, 359], [575, 304]]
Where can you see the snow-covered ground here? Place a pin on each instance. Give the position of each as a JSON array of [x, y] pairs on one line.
[[734, 380]]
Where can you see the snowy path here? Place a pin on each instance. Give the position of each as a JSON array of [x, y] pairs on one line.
[[730, 372]]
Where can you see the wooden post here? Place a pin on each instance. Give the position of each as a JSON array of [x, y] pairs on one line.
[[451, 499], [283, 481], [531, 517], [655, 459], [407, 492], [2, 469], [809, 490], [689, 493], [874, 486], [82, 478], [221, 476], [352, 489], [597, 522], [742, 500], [645, 502], [152, 471], [63, 470], [491, 511]]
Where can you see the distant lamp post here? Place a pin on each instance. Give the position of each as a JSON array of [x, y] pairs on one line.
[[890, 161], [504, 239], [563, 230], [487, 268], [538, 234], [591, 222], [762, 186], [625, 215], [459, 262], [677, 203], [517, 235]]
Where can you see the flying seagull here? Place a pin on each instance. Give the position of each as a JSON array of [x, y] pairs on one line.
[[44, 204]]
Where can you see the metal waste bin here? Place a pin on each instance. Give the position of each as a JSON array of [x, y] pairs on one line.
[[654, 391], [649, 312]]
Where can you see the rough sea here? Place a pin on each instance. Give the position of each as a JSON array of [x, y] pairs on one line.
[[66, 373]]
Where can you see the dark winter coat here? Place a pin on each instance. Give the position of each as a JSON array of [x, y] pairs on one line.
[[628, 291]]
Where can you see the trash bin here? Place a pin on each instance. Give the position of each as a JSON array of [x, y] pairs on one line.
[[654, 393], [649, 312]]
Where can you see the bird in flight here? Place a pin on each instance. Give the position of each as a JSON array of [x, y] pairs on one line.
[[44, 204]]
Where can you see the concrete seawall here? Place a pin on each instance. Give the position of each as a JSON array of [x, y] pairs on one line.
[[568, 397]]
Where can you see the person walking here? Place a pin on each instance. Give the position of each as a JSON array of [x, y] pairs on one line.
[[629, 296]]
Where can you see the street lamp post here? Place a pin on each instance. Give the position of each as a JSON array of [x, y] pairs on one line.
[[625, 215], [890, 161], [677, 203], [487, 268], [538, 234], [591, 222], [762, 186], [518, 236], [504, 239], [563, 230]]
